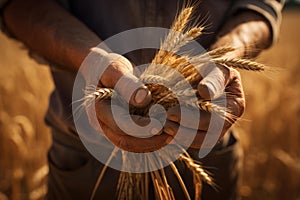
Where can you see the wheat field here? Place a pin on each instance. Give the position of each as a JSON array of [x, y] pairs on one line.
[[269, 129]]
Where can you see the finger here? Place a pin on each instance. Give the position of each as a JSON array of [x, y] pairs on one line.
[[124, 123], [133, 144], [92, 118], [235, 95], [186, 137], [104, 115], [194, 119], [213, 84], [215, 125], [117, 67], [235, 104], [133, 91], [118, 75], [142, 127]]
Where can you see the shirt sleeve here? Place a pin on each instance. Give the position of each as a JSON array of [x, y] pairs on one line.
[[3, 3], [269, 9], [39, 59]]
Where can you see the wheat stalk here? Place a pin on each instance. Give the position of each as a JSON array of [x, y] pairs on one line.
[[221, 51], [170, 77], [199, 174], [183, 18], [240, 64], [115, 150], [171, 42]]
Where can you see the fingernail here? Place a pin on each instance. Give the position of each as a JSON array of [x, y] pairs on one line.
[[140, 95], [203, 91], [207, 90], [211, 88]]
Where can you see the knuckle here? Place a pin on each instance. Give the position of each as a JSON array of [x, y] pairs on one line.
[[122, 143], [235, 74], [239, 106]]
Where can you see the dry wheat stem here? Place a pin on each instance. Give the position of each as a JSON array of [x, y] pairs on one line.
[[185, 191], [167, 99], [169, 78], [167, 188], [162, 188], [130, 186], [113, 153]]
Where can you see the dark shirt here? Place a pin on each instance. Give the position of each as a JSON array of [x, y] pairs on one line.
[[107, 18]]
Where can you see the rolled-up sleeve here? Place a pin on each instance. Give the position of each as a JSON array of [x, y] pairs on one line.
[[269, 9], [3, 3]]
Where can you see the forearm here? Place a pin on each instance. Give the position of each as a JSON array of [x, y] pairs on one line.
[[248, 32], [45, 27]]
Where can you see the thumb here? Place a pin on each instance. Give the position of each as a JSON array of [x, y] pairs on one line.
[[119, 75], [213, 84]]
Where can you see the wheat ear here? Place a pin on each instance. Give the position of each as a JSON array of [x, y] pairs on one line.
[[182, 19], [240, 64], [221, 51], [177, 28]]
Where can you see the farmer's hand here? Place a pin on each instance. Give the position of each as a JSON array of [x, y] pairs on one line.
[[249, 33], [215, 82], [128, 132]]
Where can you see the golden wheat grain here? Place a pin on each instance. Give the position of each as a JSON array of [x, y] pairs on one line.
[[240, 64], [170, 77], [153, 79], [171, 40], [194, 32], [221, 51], [199, 174], [168, 99], [182, 20], [197, 168], [178, 40], [103, 93]]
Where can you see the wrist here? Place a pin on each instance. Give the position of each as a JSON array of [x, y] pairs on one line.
[[247, 32], [231, 40], [78, 53]]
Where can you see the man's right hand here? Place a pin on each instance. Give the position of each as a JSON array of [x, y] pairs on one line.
[[128, 132]]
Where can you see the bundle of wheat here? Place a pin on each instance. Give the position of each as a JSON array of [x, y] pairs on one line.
[[166, 87]]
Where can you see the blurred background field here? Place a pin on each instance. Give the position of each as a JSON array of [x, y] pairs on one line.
[[272, 135], [270, 130]]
